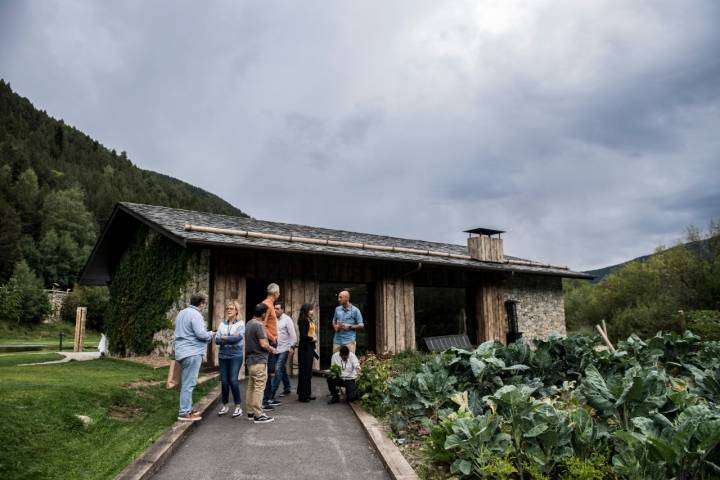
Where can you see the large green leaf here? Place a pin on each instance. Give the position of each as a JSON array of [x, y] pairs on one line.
[[596, 392]]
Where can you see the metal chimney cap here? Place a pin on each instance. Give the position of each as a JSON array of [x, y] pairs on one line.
[[484, 231]]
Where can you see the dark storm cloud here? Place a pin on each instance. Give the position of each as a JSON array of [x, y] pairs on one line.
[[587, 129]]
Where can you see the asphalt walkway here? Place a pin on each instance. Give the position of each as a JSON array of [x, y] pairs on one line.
[[307, 440]]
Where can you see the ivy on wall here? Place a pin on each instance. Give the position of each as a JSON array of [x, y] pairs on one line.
[[147, 282]]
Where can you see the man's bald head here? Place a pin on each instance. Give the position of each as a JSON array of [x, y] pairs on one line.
[[344, 297]]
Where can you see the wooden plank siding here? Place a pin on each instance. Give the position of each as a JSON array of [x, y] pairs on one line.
[[489, 309], [229, 284], [395, 314]]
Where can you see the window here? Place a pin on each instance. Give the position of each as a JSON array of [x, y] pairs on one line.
[[439, 311]]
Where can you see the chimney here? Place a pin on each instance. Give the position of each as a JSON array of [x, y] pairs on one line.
[[484, 245]]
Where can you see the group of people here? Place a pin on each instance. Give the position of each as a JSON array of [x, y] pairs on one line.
[[264, 343]]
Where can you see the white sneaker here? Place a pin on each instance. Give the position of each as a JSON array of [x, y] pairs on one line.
[[237, 412], [223, 410]]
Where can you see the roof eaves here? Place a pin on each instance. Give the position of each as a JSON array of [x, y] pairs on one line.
[[154, 225]]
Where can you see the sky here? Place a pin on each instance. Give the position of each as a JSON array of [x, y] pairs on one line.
[[588, 130]]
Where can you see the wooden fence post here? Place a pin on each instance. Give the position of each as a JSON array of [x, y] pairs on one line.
[[80, 316]]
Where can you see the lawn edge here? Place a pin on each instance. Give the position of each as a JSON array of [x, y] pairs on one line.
[[144, 466], [395, 463]]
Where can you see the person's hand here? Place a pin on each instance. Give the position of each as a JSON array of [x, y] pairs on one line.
[[211, 333], [347, 326]]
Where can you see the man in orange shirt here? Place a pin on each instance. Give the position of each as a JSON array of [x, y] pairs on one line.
[[273, 293]]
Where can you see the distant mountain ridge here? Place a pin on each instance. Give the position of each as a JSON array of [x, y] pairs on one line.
[[58, 186]]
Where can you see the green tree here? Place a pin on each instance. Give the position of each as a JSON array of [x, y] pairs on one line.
[[61, 258], [65, 211], [10, 233], [23, 297], [26, 195], [94, 298], [69, 232]]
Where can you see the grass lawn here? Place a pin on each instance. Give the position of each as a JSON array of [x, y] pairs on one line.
[[42, 438], [45, 334]]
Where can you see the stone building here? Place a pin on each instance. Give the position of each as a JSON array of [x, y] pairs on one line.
[[406, 289]]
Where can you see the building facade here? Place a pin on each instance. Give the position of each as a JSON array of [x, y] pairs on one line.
[[406, 289]]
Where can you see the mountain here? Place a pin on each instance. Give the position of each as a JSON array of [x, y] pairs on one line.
[[58, 186]]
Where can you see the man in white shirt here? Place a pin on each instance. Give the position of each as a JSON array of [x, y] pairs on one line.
[[286, 343], [349, 370]]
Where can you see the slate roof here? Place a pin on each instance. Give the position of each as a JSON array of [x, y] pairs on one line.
[[171, 222]]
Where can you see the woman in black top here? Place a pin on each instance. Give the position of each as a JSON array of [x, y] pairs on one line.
[[306, 351]]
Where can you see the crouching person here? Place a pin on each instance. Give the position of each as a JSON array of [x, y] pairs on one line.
[[349, 370]]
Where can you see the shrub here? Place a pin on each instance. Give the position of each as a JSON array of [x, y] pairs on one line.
[[594, 468], [705, 323], [96, 300], [373, 383]]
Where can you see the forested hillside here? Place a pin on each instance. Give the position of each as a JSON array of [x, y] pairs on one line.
[[649, 294], [698, 247], [57, 188]]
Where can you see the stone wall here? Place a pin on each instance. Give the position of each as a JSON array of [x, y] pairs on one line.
[[199, 282], [56, 298], [540, 305]]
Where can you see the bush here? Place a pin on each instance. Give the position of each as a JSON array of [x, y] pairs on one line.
[[94, 298], [22, 298], [373, 383], [705, 323]]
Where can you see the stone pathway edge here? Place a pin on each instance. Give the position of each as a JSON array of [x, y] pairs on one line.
[[144, 466], [396, 465]]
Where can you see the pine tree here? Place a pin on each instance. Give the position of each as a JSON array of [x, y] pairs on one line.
[[10, 234]]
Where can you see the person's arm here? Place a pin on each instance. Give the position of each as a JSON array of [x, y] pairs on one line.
[[359, 324], [271, 324], [304, 327], [232, 339], [198, 327], [291, 332], [266, 346]]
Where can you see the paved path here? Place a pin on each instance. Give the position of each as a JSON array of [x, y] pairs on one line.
[[306, 440], [69, 356]]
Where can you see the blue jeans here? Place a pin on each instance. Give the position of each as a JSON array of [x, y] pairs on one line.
[[229, 370], [190, 369], [281, 374], [272, 360]]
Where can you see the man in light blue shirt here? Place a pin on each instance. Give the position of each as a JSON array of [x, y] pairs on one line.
[[191, 339], [346, 322]]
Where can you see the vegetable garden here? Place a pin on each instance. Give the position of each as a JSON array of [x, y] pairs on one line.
[[563, 408]]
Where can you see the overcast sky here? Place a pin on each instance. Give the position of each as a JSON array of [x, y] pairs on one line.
[[589, 130]]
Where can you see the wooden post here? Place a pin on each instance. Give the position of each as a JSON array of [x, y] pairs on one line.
[[603, 335], [80, 316], [682, 324]]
